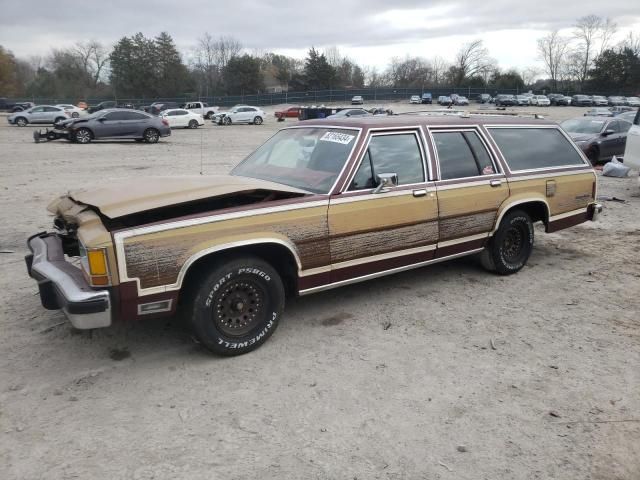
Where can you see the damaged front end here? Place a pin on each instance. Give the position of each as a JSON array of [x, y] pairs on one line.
[[49, 135]]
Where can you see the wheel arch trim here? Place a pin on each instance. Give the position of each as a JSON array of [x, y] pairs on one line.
[[506, 207]]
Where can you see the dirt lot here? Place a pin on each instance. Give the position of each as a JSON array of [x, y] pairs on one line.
[[445, 372]]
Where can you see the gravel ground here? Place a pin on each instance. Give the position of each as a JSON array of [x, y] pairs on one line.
[[445, 372]]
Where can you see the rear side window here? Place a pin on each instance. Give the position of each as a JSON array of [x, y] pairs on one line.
[[531, 148], [461, 155]]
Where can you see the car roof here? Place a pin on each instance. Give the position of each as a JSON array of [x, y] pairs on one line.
[[399, 121]]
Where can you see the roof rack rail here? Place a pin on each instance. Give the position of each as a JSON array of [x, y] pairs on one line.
[[467, 113]]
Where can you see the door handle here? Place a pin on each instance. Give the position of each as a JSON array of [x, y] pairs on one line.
[[420, 193], [495, 183]]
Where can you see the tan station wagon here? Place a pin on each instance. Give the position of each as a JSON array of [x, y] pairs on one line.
[[320, 205]]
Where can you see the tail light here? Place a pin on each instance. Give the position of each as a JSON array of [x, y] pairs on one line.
[[165, 122]]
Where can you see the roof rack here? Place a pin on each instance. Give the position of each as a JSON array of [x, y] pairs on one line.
[[467, 113]]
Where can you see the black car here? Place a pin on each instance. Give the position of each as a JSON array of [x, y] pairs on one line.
[[563, 101], [9, 106], [102, 106], [600, 138], [484, 98], [113, 123], [581, 101], [504, 100], [156, 107], [554, 97]]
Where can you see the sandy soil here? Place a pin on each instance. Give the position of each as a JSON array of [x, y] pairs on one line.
[[445, 372]]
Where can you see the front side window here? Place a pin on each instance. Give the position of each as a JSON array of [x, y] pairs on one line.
[[462, 155], [533, 148], [398, 153], [309, 158]]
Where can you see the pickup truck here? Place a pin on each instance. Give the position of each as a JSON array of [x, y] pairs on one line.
[[320, 205], [202, 108], [9, 106]]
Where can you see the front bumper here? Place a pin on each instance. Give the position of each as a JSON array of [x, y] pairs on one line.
[[594, 211], [63, 286]]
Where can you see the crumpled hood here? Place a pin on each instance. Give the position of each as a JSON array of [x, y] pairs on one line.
[[126, 197]]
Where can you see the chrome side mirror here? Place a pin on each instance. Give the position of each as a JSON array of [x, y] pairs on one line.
[[385, 181]]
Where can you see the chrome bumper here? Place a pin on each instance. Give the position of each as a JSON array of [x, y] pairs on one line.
[[63, 286]]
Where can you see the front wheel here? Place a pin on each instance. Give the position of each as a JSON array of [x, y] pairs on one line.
[[151, 135], [21, 122], [237, 306], [83, 135], [593, 154], [193, 124], [226, 121], [75, 115], [511, 245], [257, 121]]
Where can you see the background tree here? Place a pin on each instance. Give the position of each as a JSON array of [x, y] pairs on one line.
[[616, 70], [471, 60], [242, 75], [8, 73], [552, 49], [318, 72]]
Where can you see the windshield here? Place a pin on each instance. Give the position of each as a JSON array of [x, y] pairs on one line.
[[306, 158], [580, 125]]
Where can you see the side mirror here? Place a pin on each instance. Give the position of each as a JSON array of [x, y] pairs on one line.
[[101, 119], [386, 181], [608, 132]]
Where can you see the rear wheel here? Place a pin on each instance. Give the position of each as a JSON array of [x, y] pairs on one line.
[[21, 122], [193, 124], [83, 135], [151, 135], [593, 154], [511, 245], [235, 308], [257, 121], [75, 115]]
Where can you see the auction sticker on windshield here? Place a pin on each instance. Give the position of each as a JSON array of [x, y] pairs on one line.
[[336, 137]]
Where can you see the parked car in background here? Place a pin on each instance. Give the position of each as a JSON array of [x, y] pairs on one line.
[[553, 97], [484, 98], [415, 99], [40, 114], [632, 148], [598, 112], [628, 116], [350, 112], [581, 101], [156, 107], [523, 100], [460, 100], [599, 101], [563, 101], [181, 118], [505, 100], [444, 100], [102, 106], [203, 109], [633, 101], [426, 98], [357, 100], [115, 123], [74, 111], [621, 109], [287, 112], [540, 101], [616, 101], [306, 212], [10, 106], [242, 114], [599, 138]]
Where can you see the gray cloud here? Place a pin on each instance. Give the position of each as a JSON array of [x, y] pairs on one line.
[[32, 28]]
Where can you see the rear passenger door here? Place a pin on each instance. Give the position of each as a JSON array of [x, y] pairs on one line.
[[470, 186]]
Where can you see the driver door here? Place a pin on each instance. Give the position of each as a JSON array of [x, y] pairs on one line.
[[392, 228]]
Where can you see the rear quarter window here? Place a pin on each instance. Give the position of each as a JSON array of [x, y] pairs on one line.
[[533, 148]]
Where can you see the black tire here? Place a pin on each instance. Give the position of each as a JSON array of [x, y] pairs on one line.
[[593, 154], [75, 115], [208, 115], [59, 119], [83, 135], [237, 306], [51, 135], [193, 124], [226, 121], [151, 135], [257, 121], [511, 245], [21, 122]]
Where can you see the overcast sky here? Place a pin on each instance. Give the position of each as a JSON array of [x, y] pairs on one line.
[[370, 31]]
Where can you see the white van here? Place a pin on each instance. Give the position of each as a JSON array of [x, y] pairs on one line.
[[632, 149]]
